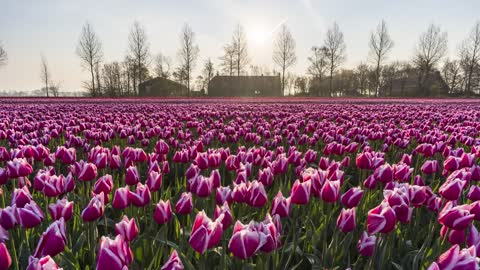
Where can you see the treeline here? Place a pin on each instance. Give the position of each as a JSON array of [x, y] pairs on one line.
[[427, 73]]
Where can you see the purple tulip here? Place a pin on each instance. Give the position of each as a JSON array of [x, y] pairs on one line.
[[163, 212], [127, 228]]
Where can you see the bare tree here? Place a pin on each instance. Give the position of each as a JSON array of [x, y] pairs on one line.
[[227, 60], [207, 73], [284, 52], [89, 49], [470, 58], [55, 89], [139, 52], [361, 78], [335, 50], [187, 54], [451, 72], [45, 73], [380, 45], [3, 55], [112, 79], [431, 47], [162, 66], [240, 51]]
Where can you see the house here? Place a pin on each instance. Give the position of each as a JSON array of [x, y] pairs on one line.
[[161, 87], [245, 86]]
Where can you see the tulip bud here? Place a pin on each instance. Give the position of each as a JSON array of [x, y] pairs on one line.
[[132, 177], [366, 245], [127, 228], [53, 240], [154, 181], [184, 205], [330, 191], [94, 209], [256, 194], [300, 193], [352, 197], [121, 198], [346, 220], [451, 190], [381, 219], [30, 215], [163, 212], [5, 259], [280, 206], [114, 252], [141, 197], [223, 194], [205, 233], [227, 215], [173, 263], [61, 209]]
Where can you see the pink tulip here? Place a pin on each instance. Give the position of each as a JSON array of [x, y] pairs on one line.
[[18, 167], [154, 181], [239, 192], [161, 147], [132, 177], [451, 190], [402, 172], [121, 198], [173, 263], [115, 162], [103, 184], [223, 194], [54, 186], [114, 254], [5, 259], [384, 173], [94, 209], [8, 218], [352, 197], [127, 228], [346, 220], [246, 241], [86, 171], [265, 176], [366, 245], [454, 258], [456, 217], [256, 194], [381, 219], [430, 167], [61, 209], [141, 197], [163, 212], [184, 205], [227, 215], [53, 240], [474, 193], [30, 215], [363, 161], [44, 263], [300, 193], [69, 183], [451, 163], [21, 197], [205, 232], [280, 206], [330, 191]]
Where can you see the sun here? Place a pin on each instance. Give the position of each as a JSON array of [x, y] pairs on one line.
[[258, 35]]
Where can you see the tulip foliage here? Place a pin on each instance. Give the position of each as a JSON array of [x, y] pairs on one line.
[[250, 184]]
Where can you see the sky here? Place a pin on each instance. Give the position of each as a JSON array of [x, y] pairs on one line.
[[31, 28]]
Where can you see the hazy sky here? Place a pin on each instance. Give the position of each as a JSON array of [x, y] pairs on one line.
[[31, 28]]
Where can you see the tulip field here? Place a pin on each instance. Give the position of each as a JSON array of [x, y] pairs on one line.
[[239, 184]]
